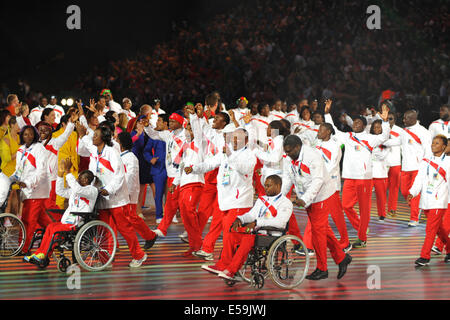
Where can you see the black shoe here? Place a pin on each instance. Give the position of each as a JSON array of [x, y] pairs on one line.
[[436, 250], [317, 275], [150, 243], [447, 258], [422, 262], [381, 219], [348, 248], [359, 244], [343, 266]]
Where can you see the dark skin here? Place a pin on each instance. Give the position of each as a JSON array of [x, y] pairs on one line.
[[391, 119], [293, 152], [272, 189], [28, 137], [318, 119], [409, 118], [438, 148], [443, 113], [98, 142], [323, 134]]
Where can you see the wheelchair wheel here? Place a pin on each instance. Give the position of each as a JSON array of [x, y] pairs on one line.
[[287, 269], [63, 264], [95, 246], [12, 235], [257, 281]]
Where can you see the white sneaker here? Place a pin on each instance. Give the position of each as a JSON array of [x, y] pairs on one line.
[[183, 235], [209, 219], [436, 250], [159, 233], [413, 223], [175, 220], [205, 255], [137, 263], [158, 221], [141, 216]]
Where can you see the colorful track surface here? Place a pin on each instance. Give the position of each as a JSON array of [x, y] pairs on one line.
[[392, 247]]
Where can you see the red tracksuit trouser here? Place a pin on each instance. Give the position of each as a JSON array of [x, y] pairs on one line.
[[380, 185], [170, 208], [406, 182], [393, 186], [138, 223], [51, 229], [434, 227], [33, 215], [322, 234], [246, 243], [359, 191], [207, 200], [189, 199], [228, 243], [117, 216], [215, 229], [446, 226]]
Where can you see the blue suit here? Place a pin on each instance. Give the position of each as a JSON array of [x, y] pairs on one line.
[[156, 148]]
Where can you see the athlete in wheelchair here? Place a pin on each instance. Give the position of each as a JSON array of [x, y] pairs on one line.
[[259, 246], [93, 242]]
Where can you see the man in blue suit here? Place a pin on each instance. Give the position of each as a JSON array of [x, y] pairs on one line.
[[155, 154]]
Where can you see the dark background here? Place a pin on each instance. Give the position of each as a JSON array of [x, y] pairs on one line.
[[36, 42]]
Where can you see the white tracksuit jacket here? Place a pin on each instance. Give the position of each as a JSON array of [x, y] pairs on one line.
[[331, 153], [53, 147], [439, 127], [131, 164], [393, 145]]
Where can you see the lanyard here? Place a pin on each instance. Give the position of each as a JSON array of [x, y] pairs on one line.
[[437, 170], [99, 155], [24, 157]]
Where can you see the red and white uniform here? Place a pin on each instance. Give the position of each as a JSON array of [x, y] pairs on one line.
[[114, 106], [439, 127], [272, 158], [154, 116], [131, 166], [53, 147], [293, 117], [314, 186], [32, 169], [357, 172], [302, 125], [380, 177], [309, 135], [393, 162], [432, 182], [260, 124], [276, 115], [416, 144], [268, 211], [130, 114], [239, 115], [35, 115]]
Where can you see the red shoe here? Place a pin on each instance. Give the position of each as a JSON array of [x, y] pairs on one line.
[[225, 274], [213, 269]]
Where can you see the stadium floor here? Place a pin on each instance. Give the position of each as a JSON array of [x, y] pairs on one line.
[[391, 246]]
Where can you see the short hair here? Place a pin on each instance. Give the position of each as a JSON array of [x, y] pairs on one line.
[[12, 121], [107, 124], [105, 134], [286, 124], [225, 116], [36, 134], [45, 113], [144, 106], [125, 140], [277, 125], [261, 106], [10, 98], [164, 117], [242, 129], [211, 99], [275, 179], [319, 113], [329, 127], [88, 173], [303, 109], [373, 124], [363, 119], [3, 115], [443, 138], [292, 140]]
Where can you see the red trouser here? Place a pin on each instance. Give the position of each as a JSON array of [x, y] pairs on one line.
[[380, 185], [51, 229], [189, 199], [50, 203], [322, 234], [406, 182], [246, 243], [446, 226], [33, 213], [393, 186], [117, 215], [228, 248], [207, 200], [138, 223], [170, 208], [257, 179], [358, 191], [215, 229], [434, 226]]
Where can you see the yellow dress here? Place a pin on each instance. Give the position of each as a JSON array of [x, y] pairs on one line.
[[8, 148], [68, 150]]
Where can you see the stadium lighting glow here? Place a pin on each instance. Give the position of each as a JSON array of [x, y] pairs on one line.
[[63, 102], [70, 102]]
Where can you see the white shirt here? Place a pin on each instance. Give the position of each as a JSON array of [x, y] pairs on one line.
[[331, 153], [358, 150], [260, 124], [35, 115], [277, 217], [234, 178], [239, 115], [81, 199], [276, 115], [414, 151], [59, 112], [439, 127], [431, 183], [379, 165], [131, 164], [309, 176], [154, 116], [394, 157], [130, 114], [272, 158], [114, 106]]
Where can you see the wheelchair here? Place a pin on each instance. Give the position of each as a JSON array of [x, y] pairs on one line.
[[12, 231], [274, 257], [93, 243]]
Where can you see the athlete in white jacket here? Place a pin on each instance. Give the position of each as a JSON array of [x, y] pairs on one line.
[[441, 126], [432, 182]]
